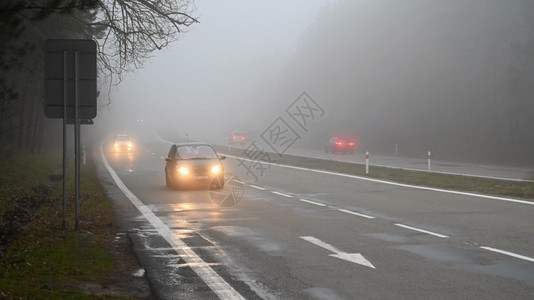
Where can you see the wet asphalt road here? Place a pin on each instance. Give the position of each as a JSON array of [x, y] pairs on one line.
[[298, 234]]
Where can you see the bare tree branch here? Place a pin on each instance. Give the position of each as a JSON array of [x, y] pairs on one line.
[[133, 30]]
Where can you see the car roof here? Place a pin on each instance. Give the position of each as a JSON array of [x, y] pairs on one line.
[[193, 144]]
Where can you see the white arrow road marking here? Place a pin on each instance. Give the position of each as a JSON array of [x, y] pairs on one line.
[[352, 257]]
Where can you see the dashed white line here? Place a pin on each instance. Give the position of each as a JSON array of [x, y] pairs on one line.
[[257, 187], [509, 253], [282, 194], [395, 183], [312, 202], [215, 282], [354, 213], [423, 231]]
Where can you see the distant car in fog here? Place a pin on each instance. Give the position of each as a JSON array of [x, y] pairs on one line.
[[194, 164], [237, 138], [122, 143], [340, 145]]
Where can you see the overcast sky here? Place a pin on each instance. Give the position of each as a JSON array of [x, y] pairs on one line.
[[227, 62]]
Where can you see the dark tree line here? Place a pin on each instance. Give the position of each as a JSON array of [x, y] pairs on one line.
[[455, 78], [127, 32]]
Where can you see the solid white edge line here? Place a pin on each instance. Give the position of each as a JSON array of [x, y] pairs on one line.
[[257, 187], [397, 184], [509, 254], [312, 202], [418, 170], [355, 213], [282, 194], [422, 230], [216, 283]]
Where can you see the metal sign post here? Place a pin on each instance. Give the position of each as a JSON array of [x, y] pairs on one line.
[[64, 225], [76, 144], [70, 93]]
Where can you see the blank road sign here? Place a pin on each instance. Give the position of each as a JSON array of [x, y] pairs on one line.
[[66, 61]]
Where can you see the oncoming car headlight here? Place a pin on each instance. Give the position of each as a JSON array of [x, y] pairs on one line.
[[216, 169], [183, 170]]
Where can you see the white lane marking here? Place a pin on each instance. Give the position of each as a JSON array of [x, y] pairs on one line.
[[312, 202], [396, 184], [257, 187], [418, 170], [352, 257], [354, 213], [282, 194], [509, 253], [239, 181], [201, 268], [423, 231]]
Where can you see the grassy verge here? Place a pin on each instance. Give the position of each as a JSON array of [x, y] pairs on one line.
[[42, 260], [22, 172], [524, 190]]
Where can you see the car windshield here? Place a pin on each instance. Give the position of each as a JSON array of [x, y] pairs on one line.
[[122, 138], [195, 152]]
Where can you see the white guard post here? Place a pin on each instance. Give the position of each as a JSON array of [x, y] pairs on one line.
[[367, 162]]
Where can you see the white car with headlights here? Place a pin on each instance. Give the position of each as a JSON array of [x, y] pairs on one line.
[[122, 143], [194, 164]]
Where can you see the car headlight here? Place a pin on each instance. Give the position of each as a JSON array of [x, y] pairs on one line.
[[183, 170], [216, 169], [130, 145]]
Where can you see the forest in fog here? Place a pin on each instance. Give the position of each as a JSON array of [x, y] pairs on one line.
[[453, 77]]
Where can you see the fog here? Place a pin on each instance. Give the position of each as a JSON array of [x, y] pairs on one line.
[[222, 75], [454, 77]]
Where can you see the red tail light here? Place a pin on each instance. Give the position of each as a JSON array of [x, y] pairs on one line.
[[339, 143], [351, 144], [242, 137], [234, 137]]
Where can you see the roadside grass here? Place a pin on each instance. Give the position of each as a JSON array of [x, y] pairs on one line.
[[486, 186], [21, 172], [44, 261]]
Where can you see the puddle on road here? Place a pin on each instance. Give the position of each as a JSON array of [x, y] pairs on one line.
[[321, 293], [517, 270], [251, 236], [440, 253], [475, 261], [394, 238]]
